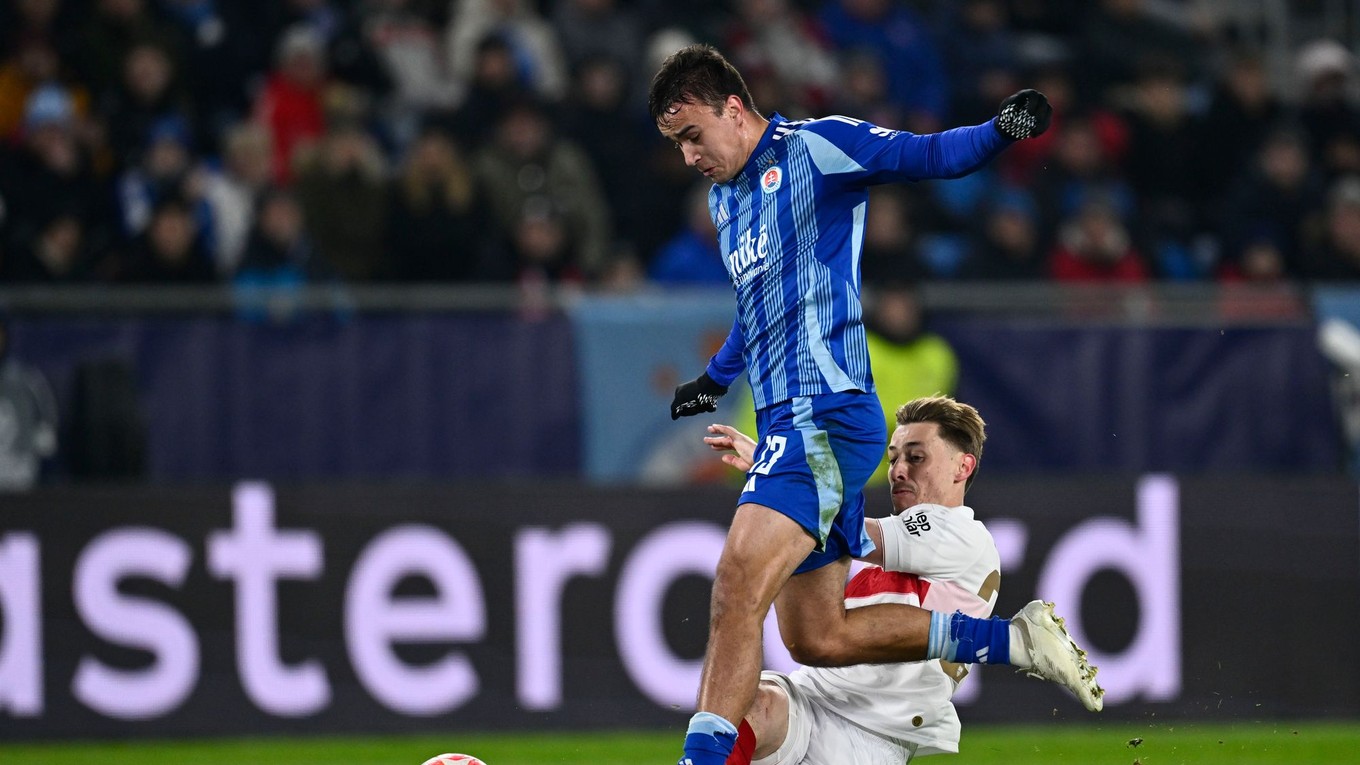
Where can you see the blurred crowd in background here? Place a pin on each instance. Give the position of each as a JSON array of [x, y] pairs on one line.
[[507, 141]]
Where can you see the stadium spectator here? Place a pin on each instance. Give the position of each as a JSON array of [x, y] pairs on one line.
[[325, 18], [28, 419], [528, 160], [411, 49], [1336, 256], [149, 93], [493, 88], [1270, 209], [23, 21], [863, 89], [47, 183], [55, 252], [166, 169], [1006, 244], [33, 63], [599, 118], [1326, 76], [1094, 246], [1025, 162], [918, 82], [1047, 24], [111, 33], [1162, 152], [233, 192], [777, 38], [692, 256], [170, 250], [279, 252], [981, 57], [1081, 167], [436, 229], [342, 185], [1242, 112], [533, 43], [542, 250], [590, 30], [1117, 39], [291, 104], [224, 49], [891, 239]]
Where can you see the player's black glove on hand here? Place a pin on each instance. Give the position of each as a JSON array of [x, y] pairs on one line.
[[1023, 115], [700, 395]]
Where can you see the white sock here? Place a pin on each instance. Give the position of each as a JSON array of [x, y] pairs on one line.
[[1019, 647]]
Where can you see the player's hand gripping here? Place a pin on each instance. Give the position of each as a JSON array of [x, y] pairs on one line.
[[699, 395], [726, 438], [1024, 115]]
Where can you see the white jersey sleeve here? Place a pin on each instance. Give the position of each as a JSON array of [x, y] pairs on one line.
[[945, 544]]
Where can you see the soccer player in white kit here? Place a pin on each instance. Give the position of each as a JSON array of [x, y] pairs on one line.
[[931, 553]]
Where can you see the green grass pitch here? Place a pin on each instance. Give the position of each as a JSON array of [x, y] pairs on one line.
[[1315, 743]]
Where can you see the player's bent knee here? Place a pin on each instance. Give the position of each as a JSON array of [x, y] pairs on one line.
[[769, 718]]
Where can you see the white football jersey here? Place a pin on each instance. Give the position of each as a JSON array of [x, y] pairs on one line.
[[955, 567]]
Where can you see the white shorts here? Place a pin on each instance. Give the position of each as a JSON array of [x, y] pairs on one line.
[[818, 736]]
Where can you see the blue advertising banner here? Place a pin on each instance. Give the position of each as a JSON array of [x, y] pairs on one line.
[[1057, 396], [416, 396], [633, 350]]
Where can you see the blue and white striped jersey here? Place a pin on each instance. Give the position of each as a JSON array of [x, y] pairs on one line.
[[791, 227]]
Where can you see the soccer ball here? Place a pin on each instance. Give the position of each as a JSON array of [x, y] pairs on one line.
[[454, 759]]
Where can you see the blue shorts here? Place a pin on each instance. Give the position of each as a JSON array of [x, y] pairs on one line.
[[813, 457]]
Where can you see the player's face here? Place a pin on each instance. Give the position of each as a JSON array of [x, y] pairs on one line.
[[713, 143], [925, 468]]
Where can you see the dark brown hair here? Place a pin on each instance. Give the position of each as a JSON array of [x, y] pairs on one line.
[[695, 74]]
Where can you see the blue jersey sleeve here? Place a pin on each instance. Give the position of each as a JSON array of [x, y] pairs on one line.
[[859, 153], [728, 363]]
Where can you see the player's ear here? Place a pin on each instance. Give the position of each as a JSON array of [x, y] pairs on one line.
[[734, 106], [967, 465]]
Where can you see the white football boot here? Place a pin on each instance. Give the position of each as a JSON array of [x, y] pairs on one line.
[[1054, 656]]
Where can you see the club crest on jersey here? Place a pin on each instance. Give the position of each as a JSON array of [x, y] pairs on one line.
[[771, 180]]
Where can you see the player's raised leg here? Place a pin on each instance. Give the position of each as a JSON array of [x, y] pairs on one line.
[[763, 548]]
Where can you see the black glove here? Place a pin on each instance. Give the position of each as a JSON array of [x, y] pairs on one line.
[[1023, 115], [700, 395]]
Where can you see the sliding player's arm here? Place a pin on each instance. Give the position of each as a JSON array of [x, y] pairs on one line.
[[742, 448]]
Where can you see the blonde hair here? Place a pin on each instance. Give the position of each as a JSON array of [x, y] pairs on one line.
[[960, 424], [448, 180]]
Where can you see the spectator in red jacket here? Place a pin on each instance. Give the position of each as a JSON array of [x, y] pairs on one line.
[[1094, 246]]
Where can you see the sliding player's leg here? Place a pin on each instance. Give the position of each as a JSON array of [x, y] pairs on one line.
[[818, 630]]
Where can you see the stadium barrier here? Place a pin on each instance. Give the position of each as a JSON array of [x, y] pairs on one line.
[[462, 385], [143, 611]]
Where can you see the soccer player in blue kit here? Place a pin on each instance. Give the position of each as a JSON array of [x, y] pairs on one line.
[[789, 202]]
